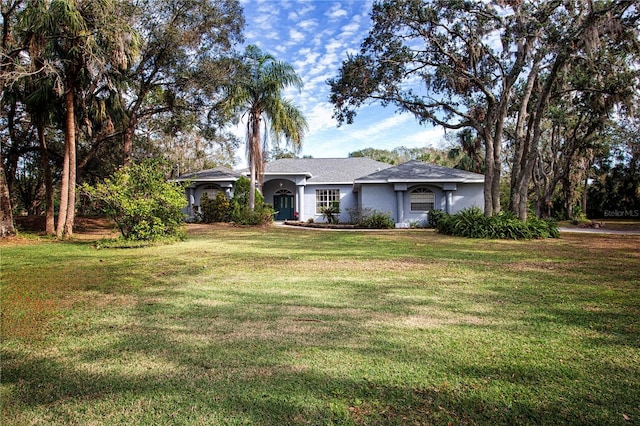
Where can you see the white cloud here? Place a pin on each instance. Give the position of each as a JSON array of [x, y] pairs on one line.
[[428, 137], [334, 45], [349, 29], [307, 24], [319, 118], [336, 12], [296, 36], [301, 12], [308, 58], [382, 126]]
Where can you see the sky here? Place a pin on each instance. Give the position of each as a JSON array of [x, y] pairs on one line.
[[315, 36]]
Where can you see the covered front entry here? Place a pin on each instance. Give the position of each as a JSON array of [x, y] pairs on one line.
[[283, 205]]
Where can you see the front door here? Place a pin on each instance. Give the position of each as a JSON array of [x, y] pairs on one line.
[[283, 205]]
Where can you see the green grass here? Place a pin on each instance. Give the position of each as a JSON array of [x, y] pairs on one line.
[[290, 326]]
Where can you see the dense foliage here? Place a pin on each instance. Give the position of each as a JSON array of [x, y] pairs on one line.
[[89, 86], [143, 204], [526, 79], [376, 220], [215, 210], [331, 213], [241, 213], [472, 223]]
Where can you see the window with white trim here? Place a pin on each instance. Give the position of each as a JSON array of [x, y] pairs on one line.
[[324, 198], [422, 200]]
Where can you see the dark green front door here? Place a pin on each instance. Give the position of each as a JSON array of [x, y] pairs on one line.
[[283, 205]]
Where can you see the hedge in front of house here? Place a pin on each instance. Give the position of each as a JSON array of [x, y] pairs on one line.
[[472, 223]]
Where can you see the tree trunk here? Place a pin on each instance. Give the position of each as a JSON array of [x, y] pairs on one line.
[[489, 169], [497, 168], [64, 194], [128, 139], [66, 214], [254, 157], [71, 206], [48, 181], [532, 155], [7, 227], [522, 137], [585, 189]]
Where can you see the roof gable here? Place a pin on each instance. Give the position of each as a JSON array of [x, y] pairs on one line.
[[358, 170], [420, 172], [218, 174], [325, 170]]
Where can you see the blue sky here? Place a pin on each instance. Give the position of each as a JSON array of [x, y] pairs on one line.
[[315, 36]]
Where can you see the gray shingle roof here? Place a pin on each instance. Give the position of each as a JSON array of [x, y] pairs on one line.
[[326, 170], [211, 175], [417, 171], [349, 170]]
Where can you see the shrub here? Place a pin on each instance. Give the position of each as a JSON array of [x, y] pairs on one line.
[[419, 224], [206, 209], [435, 216], [241, 214], [142, 203], [376, 220], [472, 223], [355, 215], [216, 210], [331, 212]]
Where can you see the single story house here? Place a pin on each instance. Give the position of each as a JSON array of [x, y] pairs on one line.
[[300, 188]]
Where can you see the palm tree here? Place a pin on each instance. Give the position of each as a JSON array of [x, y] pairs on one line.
[[468, 150], [81, 41], [256, 95]]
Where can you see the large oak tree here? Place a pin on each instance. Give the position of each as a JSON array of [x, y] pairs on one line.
[[469, 64]]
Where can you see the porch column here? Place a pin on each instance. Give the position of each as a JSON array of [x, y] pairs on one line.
[[448, 196], [399, 206], [400, 189], [192, 200], [448, 201], [300, 202]]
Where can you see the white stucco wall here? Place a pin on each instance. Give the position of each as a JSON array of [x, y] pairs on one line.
[[380, 197], [348, 200], [468, 195], [383, 198]]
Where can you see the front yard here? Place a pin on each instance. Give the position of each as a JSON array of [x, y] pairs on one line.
[[293, 326]]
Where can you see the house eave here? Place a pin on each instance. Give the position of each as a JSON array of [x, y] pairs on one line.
[[423, 181], [329, 183], [305, 174]]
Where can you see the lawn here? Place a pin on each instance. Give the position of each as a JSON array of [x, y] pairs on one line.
[[292, 326]]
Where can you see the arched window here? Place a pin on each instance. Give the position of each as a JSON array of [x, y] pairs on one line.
[[422, 200]]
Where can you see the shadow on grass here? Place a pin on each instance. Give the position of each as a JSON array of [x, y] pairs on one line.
[[456, 351], [256, 362], [226, 394]]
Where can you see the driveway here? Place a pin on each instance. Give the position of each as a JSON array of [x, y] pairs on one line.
[[599, 231]]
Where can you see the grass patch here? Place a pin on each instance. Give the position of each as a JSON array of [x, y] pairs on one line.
[[288, 326]]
